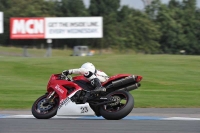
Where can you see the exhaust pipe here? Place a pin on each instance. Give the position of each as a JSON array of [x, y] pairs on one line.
[[122, 82], [131, 87]]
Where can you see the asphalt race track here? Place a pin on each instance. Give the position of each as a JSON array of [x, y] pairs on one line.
[[139, 121]]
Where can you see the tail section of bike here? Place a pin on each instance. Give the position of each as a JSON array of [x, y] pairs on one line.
[[126, 82]]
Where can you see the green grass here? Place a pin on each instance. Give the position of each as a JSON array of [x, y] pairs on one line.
[[168, 80]]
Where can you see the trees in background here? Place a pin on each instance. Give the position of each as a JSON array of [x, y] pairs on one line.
[[137, 31], [108, 9], [160, 28], [179, 25], [23, 8]]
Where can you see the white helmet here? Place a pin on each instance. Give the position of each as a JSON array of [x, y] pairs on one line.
[[89, 66]]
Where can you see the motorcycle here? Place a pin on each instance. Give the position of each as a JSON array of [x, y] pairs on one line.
[[73, 96]]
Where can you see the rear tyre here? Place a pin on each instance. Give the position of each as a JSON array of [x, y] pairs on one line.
[[123, 105], [41, 111]]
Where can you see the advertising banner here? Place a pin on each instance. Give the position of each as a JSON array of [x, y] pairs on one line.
[[56, 27], [1, 22], [27, 28]]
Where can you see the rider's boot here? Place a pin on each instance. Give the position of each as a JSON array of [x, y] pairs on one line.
[[97, 84]]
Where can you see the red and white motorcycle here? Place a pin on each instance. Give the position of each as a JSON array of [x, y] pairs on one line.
[[73, 97]]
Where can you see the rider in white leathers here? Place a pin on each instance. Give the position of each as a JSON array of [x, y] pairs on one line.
[[89, 71]]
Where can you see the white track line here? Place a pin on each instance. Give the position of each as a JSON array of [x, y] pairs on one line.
[[94, 117], [182, 118]]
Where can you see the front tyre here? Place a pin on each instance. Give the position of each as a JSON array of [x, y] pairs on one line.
[[47, 110], [120, 108]]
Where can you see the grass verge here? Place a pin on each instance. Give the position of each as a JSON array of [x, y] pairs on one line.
[[168, 80]]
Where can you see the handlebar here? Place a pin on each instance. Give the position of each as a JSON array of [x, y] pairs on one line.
[[66, 77]]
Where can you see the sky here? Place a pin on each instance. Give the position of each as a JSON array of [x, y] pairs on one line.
[[137, 4]]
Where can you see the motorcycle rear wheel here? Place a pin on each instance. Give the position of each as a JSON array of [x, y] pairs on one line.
[[41, 111], [123, 105]]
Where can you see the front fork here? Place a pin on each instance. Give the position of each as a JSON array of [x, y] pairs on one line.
[[49, 99]]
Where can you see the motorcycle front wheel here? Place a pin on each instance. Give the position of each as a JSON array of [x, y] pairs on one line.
[[42, 110], [123, 103]]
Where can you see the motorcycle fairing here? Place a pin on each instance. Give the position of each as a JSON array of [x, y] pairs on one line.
[[66, 106], [69, 108]]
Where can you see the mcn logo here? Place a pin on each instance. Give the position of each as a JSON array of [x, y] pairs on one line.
[[26, 28]]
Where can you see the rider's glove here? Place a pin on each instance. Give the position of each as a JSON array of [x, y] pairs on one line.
[[65, 72]]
